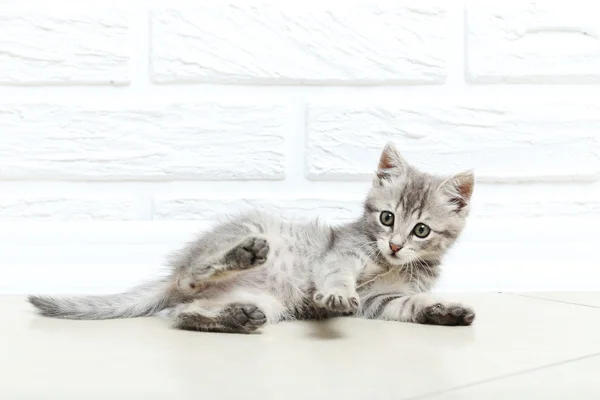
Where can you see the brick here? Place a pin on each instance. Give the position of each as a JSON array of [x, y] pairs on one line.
[[211, 141], [66, 208], [512, 142], [210, 210], [56, 45], [545, 42], [540, 208], [300, 43]]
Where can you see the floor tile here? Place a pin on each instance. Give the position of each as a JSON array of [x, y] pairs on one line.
[[343, 358], [591, 299], [571, 380]]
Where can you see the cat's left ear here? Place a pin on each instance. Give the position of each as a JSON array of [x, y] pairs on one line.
[[459, 189]]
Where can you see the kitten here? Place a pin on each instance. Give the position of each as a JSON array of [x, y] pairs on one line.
[[257, 269]]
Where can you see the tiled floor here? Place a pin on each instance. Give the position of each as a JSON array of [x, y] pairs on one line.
[[522, 346]]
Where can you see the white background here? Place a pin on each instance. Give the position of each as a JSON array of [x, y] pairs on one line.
[[126, 127]]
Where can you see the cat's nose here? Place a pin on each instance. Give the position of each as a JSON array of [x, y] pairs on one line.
[[394, 247]]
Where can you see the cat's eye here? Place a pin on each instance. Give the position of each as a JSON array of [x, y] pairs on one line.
[[421, 230], [386, 218]]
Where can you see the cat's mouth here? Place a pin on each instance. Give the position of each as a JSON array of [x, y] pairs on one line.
[[395, 258]]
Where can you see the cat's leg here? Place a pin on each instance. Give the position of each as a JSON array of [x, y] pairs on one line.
[[335, 283], [421, 308], [234, 314], [250, 252]]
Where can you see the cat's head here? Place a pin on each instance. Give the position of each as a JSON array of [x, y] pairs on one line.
[[412, 215]]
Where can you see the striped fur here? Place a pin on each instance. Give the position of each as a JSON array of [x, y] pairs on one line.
[[142, 301], [255, 269]]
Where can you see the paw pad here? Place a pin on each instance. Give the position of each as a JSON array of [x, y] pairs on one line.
[[450, 314], [245, 317], [250, 253]]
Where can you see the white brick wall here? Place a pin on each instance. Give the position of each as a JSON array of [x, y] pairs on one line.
[[66, 208], [185, 141], [63, 45], [327, 42], [512, 141], [528, 41], [124, 127]]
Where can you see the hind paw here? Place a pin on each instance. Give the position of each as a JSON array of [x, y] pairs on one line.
[[250, 253], [243, 317]]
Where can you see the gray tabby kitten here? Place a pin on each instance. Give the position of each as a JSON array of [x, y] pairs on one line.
[[257, 269]]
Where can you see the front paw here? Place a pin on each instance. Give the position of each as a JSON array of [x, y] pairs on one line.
[[338, 299], [446, 314]]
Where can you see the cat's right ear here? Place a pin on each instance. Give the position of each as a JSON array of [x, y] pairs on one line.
[[390, 162]]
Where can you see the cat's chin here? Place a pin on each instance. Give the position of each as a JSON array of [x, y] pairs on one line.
[[408, 258], [397, 259]]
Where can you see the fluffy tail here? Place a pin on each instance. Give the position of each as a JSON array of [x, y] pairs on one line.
[[141, 301]]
